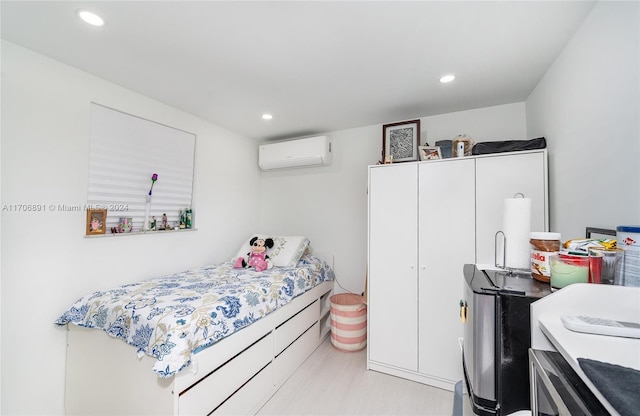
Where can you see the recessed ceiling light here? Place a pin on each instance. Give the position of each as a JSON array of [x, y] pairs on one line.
[[267, 116], [447, 78], [89, 17]]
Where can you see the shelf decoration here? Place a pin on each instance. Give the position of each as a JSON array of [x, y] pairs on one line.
[[125, 225], [430, 153], [147, 207], [96, 221], [400, 141]]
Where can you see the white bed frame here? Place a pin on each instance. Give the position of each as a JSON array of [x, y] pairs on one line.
[[235, 376]]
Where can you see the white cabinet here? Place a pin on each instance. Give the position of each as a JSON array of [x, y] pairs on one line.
[[446, 242], [421, 233], [426, 220], [499, 177], [393, 215]]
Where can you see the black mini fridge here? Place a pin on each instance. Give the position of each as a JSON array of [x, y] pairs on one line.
[[496, 316]]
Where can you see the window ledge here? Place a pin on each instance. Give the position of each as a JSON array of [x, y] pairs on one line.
[[141, 233]]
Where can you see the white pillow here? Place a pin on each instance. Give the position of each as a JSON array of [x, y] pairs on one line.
[[286, 250]]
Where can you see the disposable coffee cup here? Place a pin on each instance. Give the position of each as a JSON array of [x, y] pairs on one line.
[[608, 263], [595, 266]]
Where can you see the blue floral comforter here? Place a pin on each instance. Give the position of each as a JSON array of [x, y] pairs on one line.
[[172, 317]]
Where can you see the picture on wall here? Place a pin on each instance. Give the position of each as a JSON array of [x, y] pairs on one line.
[[401, 140], [96, 221]]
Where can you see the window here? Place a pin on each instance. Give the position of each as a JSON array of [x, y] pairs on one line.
[[125, 152]]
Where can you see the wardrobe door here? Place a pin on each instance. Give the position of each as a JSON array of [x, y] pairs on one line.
[[499, 177], [446, 243], [392, 291]]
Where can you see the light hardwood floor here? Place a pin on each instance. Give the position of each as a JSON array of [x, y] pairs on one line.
[[331, 382]]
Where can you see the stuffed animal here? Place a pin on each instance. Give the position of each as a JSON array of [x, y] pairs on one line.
[[257, 257]]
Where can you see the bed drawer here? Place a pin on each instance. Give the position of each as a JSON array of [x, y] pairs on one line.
[[214, 389], [252, 396], [296, 325], [291, 358]]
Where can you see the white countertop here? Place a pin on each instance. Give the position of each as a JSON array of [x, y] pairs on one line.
[[573, 345], [612, 302]]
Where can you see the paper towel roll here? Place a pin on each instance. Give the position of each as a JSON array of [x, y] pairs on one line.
[[516, 226]]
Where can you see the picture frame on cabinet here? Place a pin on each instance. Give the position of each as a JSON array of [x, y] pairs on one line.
[[96, 221], [430, 152], [401, 140]]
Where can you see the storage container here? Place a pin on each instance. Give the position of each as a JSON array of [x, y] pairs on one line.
[[543, 245], [567, 269], [348, 315]]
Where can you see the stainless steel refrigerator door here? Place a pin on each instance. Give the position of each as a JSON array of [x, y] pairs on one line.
[[479, 343]]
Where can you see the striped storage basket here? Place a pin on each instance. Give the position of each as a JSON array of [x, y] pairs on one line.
[[348, 322]]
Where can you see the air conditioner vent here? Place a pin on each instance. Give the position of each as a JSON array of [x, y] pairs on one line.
[[306, 152]]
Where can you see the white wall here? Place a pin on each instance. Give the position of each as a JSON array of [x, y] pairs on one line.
[[329, 204], [504, 122], [588, 107], [46, 262]]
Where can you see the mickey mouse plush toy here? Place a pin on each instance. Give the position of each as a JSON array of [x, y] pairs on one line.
[[257, 257]]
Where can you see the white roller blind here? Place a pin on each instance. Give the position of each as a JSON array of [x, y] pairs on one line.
[[125, 152]]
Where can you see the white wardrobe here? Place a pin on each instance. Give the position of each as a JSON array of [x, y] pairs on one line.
[[426, 220]]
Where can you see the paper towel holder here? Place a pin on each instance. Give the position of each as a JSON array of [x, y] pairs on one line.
[[513, 271], [518, 193]]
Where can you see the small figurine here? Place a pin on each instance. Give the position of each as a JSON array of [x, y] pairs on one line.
[[152, 223], [165, 225]]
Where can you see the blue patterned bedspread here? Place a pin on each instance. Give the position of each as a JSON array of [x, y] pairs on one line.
[[173, 317]]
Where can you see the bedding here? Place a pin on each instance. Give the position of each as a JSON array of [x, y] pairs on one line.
[[172, 318]]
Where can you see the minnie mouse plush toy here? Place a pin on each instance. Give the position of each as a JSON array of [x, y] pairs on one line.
[[257, 257]]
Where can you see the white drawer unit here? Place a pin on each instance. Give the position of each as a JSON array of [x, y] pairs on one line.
[[286, 333], [207, 395]]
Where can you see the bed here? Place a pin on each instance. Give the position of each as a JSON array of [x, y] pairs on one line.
[[213, 340]]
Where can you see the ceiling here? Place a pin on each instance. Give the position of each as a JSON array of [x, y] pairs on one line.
[[316, 66]]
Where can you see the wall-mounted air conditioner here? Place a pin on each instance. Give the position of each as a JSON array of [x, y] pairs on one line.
[[310, 151]]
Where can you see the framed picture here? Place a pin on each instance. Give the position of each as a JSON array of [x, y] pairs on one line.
[[96, 221], [125, 225], [401, 140], [430, 153]]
